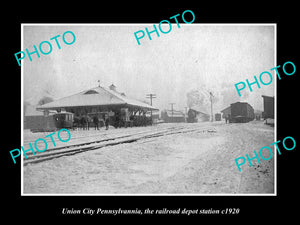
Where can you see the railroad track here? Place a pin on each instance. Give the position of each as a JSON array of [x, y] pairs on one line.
[[96, 140], [93, 145], [96, 135]]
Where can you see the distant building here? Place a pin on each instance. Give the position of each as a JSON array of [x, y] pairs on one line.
[[174, 116], [268, 112], [32, 118]]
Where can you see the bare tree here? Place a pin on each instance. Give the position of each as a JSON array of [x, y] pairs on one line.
[[201, 97], [45, 100]]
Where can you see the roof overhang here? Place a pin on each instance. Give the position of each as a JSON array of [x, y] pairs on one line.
[[149, 108]]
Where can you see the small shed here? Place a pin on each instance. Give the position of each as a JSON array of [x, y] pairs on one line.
[[33, 118]]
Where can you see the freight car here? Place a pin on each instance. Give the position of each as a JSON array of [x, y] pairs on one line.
[[218, 116], [241, 112], [51, 122]]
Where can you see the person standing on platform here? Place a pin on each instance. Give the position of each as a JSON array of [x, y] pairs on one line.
[[84, 122], [96, 122], [106, 120]]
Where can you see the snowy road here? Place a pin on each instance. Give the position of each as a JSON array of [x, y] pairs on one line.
[[200, 162]]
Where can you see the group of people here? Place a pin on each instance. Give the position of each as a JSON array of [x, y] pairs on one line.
[[84, 122], [96, 121]]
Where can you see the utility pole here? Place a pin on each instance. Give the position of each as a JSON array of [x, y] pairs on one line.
[[151, 96], [185, 116], [211, 106], [172, 108]]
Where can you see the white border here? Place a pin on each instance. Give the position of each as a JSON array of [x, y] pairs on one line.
[[22, 108], [275, 109], [134, 24]]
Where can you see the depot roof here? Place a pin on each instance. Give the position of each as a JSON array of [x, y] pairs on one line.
[[98, 96]]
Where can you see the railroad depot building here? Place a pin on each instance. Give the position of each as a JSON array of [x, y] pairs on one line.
[[99, 101]]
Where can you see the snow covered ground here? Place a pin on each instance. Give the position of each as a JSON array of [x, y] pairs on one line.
[[200, 162]]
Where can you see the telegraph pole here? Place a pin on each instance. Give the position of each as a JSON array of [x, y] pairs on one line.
[[172, 108], [151, 96], [185, 116], [211, 106]]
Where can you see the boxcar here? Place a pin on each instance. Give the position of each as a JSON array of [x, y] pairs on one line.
[[241, 112]]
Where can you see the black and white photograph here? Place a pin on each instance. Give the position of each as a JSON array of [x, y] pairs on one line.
[[144, 111], [129, 109]]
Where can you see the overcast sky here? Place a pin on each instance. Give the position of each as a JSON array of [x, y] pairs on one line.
[[192, 57]]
